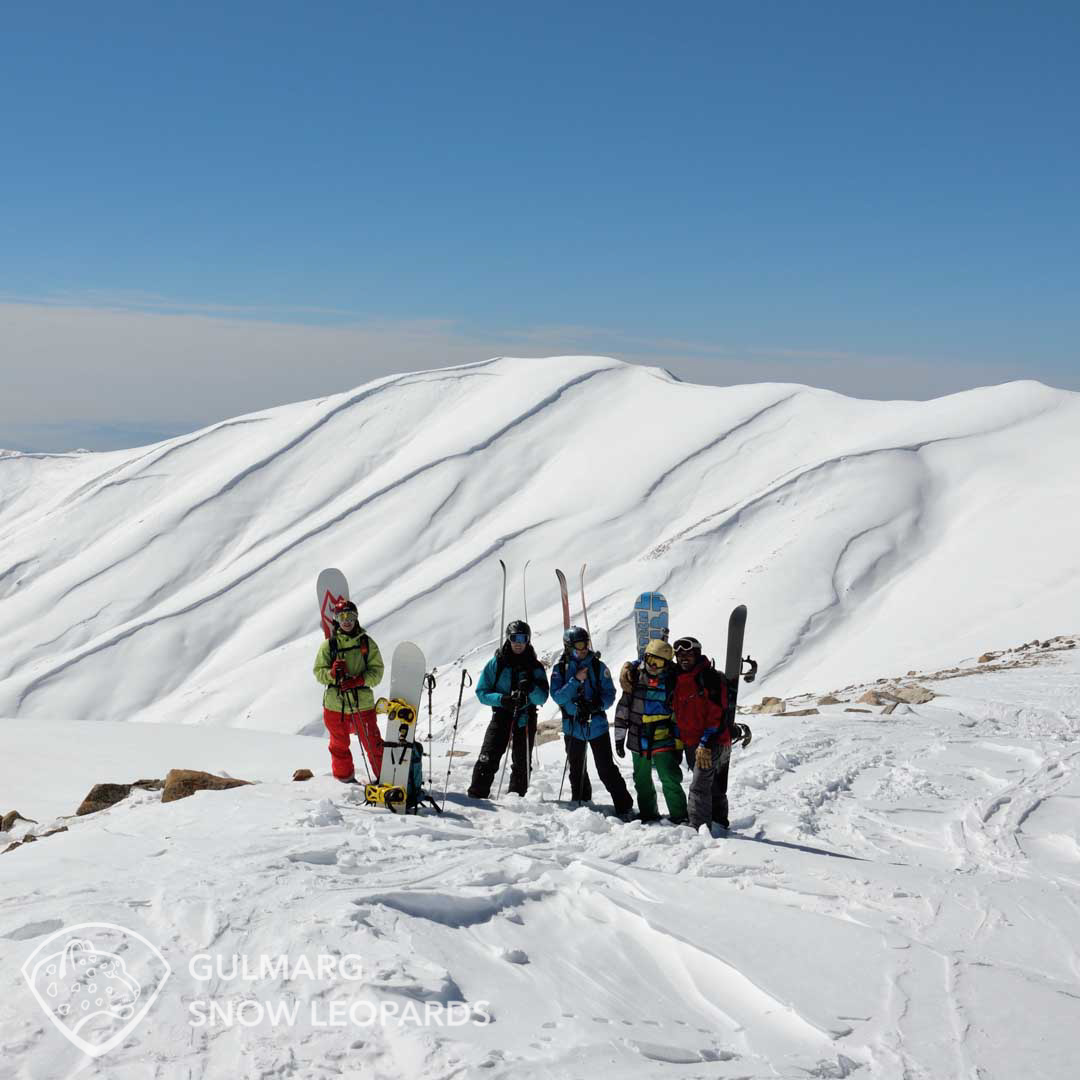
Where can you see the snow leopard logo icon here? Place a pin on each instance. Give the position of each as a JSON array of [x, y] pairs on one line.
[[96, 982]]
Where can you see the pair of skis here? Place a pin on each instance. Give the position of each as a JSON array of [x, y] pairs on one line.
[[564, 593], [408, 677], [500, 630]]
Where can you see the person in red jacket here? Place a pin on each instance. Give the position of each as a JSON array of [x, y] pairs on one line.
[[706, 727]]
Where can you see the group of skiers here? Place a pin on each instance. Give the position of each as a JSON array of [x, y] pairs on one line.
[[673, 709], [674, 705]]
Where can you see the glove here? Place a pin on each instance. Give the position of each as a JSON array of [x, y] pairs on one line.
[[352, 684], [526, 685], [338, 669], [626, 678], [743, 734], [703, 758], [620, 747], [513, 701]]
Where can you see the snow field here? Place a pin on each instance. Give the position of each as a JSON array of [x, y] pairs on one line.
[[899, 897]]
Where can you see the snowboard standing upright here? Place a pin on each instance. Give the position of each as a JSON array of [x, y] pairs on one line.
[[407, 670], [331, 589], [651, 620], [733, 663], [733, 670]]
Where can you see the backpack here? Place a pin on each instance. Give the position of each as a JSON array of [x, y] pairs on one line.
[[361, 644], [714, 685], [416, 779]]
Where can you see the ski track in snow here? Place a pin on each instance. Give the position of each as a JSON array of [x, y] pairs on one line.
[[897, 892]]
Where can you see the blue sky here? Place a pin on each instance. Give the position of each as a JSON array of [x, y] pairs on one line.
[[880, 198]]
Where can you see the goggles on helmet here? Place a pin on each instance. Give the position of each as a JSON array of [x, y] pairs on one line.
[[686, 645]]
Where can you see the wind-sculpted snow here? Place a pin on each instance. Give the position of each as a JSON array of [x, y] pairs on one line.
[[898, 898], [174, 582]]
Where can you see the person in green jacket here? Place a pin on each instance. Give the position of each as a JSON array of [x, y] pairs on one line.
[[644, 718], [348, 665]]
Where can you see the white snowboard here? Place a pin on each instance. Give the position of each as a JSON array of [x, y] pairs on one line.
[[330, 588], [407, 669]]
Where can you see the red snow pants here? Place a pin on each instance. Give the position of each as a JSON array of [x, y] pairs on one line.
[[363, 724]]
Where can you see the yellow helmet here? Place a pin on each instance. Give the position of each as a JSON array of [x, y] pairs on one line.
[[656, 647]]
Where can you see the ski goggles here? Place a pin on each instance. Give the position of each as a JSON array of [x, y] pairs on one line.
[[582, 644], [346, 618], [687, 645], [519, 639], [655, 663]]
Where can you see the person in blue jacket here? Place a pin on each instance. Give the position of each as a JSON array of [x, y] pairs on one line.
[[514, 684], [581, 686]]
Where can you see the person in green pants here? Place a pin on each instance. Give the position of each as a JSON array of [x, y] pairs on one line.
[[643, 718]]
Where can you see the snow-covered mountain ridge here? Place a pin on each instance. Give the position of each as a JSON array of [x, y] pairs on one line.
[[175, 582]]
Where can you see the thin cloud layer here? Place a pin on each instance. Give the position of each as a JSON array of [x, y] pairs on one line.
[[108, 377]]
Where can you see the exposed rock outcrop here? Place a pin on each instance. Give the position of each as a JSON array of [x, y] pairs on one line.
[[180, 783]]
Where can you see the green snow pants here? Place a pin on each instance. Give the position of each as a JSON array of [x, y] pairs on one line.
[[667, 765]]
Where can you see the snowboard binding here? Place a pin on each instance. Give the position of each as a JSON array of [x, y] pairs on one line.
[[392, 796], [400, 712]]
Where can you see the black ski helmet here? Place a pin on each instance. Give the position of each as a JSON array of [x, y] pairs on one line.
[[574, 634], [518, 626]]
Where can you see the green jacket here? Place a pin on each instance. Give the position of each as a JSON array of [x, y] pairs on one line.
[[362, 656]]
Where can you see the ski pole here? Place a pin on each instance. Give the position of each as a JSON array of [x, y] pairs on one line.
[[508, 753], [453, 739], [566, 764], [429, 684], [363, 749], [584, 759]]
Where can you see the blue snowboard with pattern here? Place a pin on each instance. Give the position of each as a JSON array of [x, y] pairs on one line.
[[650, 620]]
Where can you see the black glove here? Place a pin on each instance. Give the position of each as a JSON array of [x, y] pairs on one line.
[[743, 734], [514, 701], [620, 747], [526, 684]]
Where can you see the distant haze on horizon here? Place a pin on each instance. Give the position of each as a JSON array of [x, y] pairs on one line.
[[82, 378], [209, 211]]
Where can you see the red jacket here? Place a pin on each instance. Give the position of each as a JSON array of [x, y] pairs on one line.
[[700, 706]]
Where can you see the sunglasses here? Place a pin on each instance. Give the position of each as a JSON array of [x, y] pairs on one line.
[[519, 639]]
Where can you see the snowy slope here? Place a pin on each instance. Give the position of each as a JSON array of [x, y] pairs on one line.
[[901, 896], [902, 899], [175, 582]]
